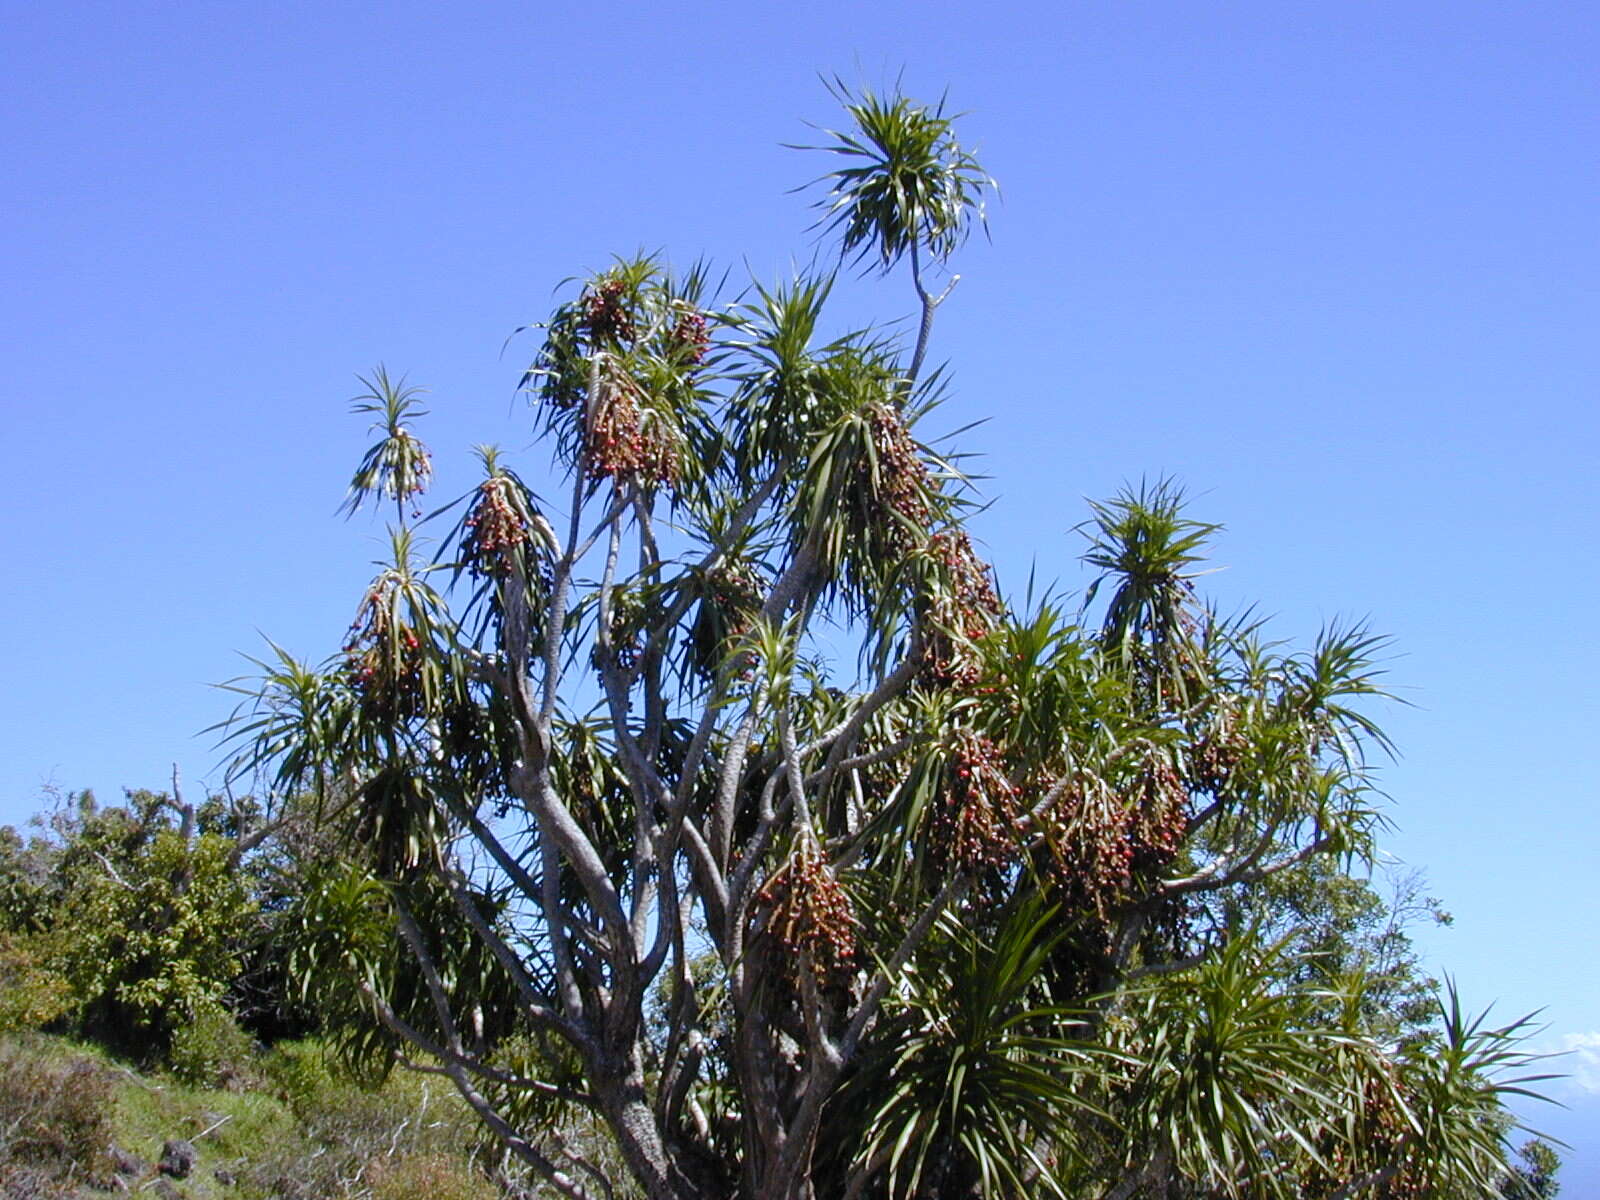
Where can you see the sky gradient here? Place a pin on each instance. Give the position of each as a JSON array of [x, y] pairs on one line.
[[1334, 267]]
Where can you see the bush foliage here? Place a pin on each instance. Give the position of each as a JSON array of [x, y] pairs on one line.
[[55, 1115]]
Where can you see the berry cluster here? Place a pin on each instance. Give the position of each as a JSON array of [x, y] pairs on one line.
[[1377, 1138], [624, 441], [690, 338], [809, 916], [1215, 757], [973, 828], [383, 661], [1101, 837], [627, 620], [736, 590], [732, 598], [903, 481], [961, 612], [1159, 818], [414, 480], [496, 529], [1093, 852], [605, 315]]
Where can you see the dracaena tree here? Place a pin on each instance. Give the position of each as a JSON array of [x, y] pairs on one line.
[[711, 794]]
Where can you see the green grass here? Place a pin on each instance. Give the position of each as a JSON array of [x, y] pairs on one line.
[[299, 1128]]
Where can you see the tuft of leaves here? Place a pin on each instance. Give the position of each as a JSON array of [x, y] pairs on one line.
[[903, 182]]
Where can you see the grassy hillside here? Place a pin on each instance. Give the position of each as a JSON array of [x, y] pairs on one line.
[[288, 1124]]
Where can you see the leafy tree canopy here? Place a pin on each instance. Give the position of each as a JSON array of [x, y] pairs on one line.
[[128, 922]]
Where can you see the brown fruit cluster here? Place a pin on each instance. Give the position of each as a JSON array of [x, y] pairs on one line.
[[1103, 837], [1159, 818], [733, 594], [903, 481], [690, 338], [974, 828], [1215, 757], [622, 443], [605, 315], [383, 663], [734, 589], [421, 473], [809, 916], [1092, 850], [627, 619], [1377, 1138], [960, 613], [495, 530]]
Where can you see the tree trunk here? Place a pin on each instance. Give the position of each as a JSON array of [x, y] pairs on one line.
[[622, 1099]]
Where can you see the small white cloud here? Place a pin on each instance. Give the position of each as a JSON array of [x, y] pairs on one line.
[[1580, 1061]]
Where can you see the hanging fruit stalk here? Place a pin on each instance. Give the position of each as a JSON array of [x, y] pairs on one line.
[[383, 659], [497, 529], [1103, 837], [625, 438], [690, 339], [727, 613], [974, 828], [961, 612], [809, 916]]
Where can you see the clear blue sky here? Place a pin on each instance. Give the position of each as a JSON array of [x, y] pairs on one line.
[[1335, 266]]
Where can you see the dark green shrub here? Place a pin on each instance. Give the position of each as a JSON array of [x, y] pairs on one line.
[[158, 942]]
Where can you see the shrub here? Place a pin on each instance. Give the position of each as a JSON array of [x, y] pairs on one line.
[[55, 1113], [302, 1074], [32, 994], [18, 1182], [422, 1176], [157, 942], [211, 1050], [348, 1129]]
